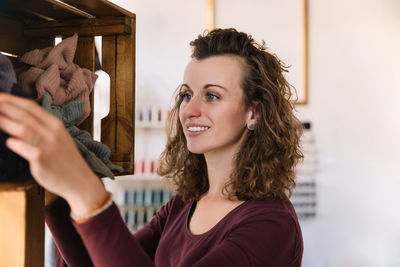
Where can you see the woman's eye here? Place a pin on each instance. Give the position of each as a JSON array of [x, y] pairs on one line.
[[212, 97], [186, 96]]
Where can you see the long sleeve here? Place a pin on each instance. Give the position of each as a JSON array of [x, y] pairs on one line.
[[105, 237], [110, 243], [149, 235], [67, 240], [256, 233]]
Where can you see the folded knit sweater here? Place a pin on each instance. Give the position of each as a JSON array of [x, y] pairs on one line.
[[52, 70]]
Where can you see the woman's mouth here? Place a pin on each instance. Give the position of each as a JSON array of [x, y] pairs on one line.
[[193, 131], [198, 128]]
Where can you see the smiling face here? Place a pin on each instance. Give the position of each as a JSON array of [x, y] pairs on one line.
[[212, 113]]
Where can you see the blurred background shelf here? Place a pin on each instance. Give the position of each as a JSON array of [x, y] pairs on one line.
[[150, 125]]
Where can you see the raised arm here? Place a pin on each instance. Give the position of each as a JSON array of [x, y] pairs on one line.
[[57, 165], [67, 239], [53, 157]]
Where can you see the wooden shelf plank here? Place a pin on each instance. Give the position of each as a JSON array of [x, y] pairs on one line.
[[19, 186], [99, 8], [43, 9], [21, 224], [84, 27], [12, 11]]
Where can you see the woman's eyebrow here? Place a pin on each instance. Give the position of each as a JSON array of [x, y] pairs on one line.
[[185, 85], [205, 86], [214, 85]]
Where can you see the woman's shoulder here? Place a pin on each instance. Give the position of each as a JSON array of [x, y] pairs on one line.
[[176, 203], [267, 218], [269, 229], [268, 210], [176, 200]]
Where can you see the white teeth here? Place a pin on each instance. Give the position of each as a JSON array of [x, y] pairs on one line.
[[197, 129]]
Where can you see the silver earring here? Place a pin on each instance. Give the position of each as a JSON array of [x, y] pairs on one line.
[[251, 127]]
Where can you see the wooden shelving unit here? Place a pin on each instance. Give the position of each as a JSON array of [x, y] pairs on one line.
[[31, 24], [21, 224]]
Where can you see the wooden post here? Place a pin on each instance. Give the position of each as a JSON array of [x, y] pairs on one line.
[[117, 129], [85, 58], [125, 99], [21, 224]]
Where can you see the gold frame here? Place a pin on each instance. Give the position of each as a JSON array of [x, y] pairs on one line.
[[210, 15], [305, 53], [210, 23]]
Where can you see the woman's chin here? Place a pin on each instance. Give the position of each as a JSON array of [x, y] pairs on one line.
[[197, 150]]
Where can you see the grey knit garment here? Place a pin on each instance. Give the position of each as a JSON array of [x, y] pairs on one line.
[[70, 114], [7, 74], [98, 148], [95, 153], [96, 164]]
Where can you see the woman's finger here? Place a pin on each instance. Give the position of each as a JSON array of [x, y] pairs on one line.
[[25, 150], [41, 167], [21, 123], [40, 138], [25, 120], [19, 130], [26, 107]]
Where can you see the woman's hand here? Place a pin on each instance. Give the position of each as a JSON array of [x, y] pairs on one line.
[[54, 160]]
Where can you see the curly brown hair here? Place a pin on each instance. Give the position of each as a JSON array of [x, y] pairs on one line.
[[265, 163]]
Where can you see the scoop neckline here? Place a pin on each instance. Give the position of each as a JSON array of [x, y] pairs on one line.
[[212, 229]]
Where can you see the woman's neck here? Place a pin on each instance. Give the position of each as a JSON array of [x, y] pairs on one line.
[[220, 165], [219, 168]]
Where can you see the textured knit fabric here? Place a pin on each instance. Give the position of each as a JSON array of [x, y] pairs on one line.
[[256, 233], [69, 114], [95, 153], [17, 90], [62, 54], [98, 148], [12, 166], [52, 70], [27, 79], [7, 74], [96, 164]]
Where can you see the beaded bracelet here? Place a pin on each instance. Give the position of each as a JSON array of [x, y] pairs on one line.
[[97, 209]]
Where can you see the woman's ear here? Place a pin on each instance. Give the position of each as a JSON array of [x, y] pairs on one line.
[[252, 117]]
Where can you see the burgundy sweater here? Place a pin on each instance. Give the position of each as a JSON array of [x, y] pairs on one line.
[[256, 233]]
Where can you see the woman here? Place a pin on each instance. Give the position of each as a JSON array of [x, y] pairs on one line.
[[232, 147]]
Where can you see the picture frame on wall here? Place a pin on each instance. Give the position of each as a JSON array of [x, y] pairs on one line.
[[283, 25]]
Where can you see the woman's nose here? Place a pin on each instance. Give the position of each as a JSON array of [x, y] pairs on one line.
[[193, 108]]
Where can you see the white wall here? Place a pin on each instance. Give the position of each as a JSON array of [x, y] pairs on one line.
[[354, 92], [353, 105], [164, 30]]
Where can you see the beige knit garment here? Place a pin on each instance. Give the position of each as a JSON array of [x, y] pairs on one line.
[[52, 70]]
